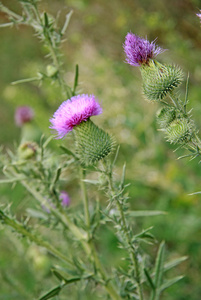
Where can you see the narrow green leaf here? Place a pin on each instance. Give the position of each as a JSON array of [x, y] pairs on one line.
[[143, 233], [174, 263], [159, 265], [67, 151], [145, 213], [123, 176], [10, 180], [76, 79], [54, 292], [186, 96], [68, 17], [149, 279], [62, 276], [38, 78], [196, 193], [116, 155], [48, 141], [56, 177], [170, 282], [46, 21], [36, 214], [91, 181]]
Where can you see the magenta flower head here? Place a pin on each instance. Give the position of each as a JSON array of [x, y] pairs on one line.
[[74, 111], [23, 114], [139, 51], [65, 198]]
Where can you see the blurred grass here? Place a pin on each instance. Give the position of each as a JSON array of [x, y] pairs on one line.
[[158, 180]]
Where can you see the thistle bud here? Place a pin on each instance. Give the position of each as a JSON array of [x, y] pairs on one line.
[[165, 116], [51, 71], [179, 131], [27, 150], [159, 80]]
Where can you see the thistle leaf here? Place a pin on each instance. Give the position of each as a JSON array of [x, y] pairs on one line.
[[170, 282], [53, 292]]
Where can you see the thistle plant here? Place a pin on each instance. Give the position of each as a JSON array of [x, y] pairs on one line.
[[160, 84], [93, 151]]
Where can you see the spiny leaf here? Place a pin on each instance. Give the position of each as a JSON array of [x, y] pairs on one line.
[[170, 282], [53, 292], [173, 263], [149, 279]]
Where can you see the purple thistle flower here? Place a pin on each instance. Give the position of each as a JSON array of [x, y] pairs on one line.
[[23, 114], [139, 51], [74, 111], [65, 198]]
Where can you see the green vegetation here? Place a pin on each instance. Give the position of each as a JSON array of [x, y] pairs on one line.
[[158, 181]]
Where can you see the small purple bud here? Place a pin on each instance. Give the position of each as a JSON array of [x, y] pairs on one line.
[[23, 114], [65, 198], [139, 51]]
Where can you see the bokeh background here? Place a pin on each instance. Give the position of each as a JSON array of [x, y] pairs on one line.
[[158, 180]]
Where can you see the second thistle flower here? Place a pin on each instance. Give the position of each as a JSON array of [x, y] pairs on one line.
[[158, 79], [91, 142]]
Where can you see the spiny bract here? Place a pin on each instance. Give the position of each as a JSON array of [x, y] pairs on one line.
[[92, 143], [179, 131], [159, 80], [165, 116]]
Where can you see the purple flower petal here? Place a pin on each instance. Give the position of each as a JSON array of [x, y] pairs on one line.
[[65, 198], [74, 111], [139, 51]]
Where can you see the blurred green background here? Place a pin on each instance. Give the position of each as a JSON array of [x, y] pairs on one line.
[[158, 180]]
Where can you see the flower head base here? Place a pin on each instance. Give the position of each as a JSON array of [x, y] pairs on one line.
[[92, 143], [65, 198], [160, 80], [139, 51], [23, 114], [74, 111]]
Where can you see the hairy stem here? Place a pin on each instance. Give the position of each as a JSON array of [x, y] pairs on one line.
[[132, 249], [107, 283], [34, 238]]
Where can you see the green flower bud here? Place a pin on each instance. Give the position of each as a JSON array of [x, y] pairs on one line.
[[51, 71], [159, 80], [27, 150], [92, 143], [165, 116], [179, 131]]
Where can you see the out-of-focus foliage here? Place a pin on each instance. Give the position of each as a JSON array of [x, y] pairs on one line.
[[158, 181]]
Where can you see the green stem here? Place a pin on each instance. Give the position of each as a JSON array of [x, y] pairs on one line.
[[60, 215], [85, 197], [108, 285], [174, 101], [133, 252], [40, 242]]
